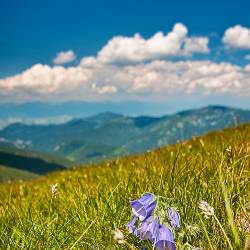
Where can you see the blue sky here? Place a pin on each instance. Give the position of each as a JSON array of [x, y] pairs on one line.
[[34, 32]]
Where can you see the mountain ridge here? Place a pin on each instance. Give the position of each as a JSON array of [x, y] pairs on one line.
[[108, 134]]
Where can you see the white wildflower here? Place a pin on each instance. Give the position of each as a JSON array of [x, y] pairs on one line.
[[229, 149], [54, 190], [202, 143], [118, 236], [206, 209], [21, 190]]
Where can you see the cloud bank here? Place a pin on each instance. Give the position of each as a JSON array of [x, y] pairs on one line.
[[156, 79], [134, 68]]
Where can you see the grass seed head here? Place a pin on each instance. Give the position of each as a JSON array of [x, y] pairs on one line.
[[54, 190]]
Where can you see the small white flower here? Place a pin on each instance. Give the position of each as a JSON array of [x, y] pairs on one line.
[[54, 190], [229, 150], [118, 236], [202, 143], [206, 209]]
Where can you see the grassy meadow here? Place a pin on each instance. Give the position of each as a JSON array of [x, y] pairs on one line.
[[92, 201]]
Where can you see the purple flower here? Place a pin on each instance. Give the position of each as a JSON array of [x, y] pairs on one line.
[[149, 229], [132, 225], [145, 199], [144, 206], [165, 239], [143, 227], [174, 218]]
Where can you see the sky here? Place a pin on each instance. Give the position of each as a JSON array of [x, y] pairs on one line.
[[190, 52]]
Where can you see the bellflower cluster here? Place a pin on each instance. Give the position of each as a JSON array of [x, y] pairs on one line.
[[154, 221]]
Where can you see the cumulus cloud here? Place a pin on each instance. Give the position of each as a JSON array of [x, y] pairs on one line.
[[136, 49], [41, 81], [64, 57], [156, 79], [237, 37]]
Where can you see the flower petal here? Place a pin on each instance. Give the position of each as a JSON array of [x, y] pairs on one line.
[[165, 239], [174, 218], [132, 225]]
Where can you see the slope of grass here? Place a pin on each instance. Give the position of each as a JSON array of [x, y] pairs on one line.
[[50, 158], [34, 165], [94, 200], [11, 174]]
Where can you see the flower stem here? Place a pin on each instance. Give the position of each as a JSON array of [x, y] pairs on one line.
[[131, 247], [222, 229]]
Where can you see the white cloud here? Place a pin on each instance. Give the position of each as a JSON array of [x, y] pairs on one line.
[[124, 50], [104, 89], [155, 80], [247, 68], [46, 79], [64, 57], [196, 45], [162, 78], [90, 62], [247, 57], [132, 68], [237, 37], [42, 80]]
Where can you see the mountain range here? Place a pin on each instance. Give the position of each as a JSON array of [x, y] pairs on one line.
[[108, 135], [47, 113]]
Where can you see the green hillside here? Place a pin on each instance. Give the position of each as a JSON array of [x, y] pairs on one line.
[[24, 152], [91, 202], [13, 174], [25, 164]]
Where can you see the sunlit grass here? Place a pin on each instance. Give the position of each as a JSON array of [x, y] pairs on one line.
[[93, 201]]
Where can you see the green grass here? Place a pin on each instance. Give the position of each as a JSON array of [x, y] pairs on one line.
[[94, 200]]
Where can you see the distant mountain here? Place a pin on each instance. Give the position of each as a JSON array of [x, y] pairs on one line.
[[46, 113], [108, 134], [81, 108]]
